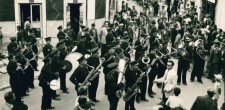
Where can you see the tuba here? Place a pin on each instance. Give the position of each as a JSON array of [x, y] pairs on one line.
[[134, 89], [200, 52], [122, 67]]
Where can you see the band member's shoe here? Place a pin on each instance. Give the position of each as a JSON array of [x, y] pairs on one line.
[[144, 99], [192, 80], [151, 95], [178, 83], [56, 98], [200, 81], [95, 100], [185, 84], [51, 108], [57, 95]]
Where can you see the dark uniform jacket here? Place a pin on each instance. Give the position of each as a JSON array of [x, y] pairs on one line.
[[15, 78], [20, 36], [47, 49], [79, 75], [131, 77], [112, 78], [71, 34], [109, 58], [46, 75], [11, 47], [61, 35]]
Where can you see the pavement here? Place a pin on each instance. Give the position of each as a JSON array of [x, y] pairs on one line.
[[188, 93]]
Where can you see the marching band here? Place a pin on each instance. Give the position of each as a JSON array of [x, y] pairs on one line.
[[131, 64]]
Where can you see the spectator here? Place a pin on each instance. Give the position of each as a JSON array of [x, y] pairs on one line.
[[9, 100], [174, 101], [205, 102]]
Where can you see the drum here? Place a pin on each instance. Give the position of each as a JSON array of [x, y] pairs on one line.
[[54, 84], [73, 57], [68, 65]]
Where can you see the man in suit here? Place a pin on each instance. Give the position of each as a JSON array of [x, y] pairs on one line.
[[205, 102]]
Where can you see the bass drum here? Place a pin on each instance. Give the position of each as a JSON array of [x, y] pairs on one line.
[[73, 57], [54, 84]]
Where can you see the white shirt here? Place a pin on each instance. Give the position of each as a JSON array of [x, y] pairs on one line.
[[175, 101], [104, 33]]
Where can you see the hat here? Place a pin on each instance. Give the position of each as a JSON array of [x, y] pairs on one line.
[[17, 27], [60, 27], [112, 65], [47, 38], [13, 38]]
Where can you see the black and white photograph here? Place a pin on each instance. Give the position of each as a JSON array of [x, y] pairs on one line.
[[112, 54]]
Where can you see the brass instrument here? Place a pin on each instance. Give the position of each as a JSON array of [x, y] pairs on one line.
[[134, 89], [199, 51], [145, 59], [122, 67], [92, 75]]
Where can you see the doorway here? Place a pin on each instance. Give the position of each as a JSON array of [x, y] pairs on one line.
[[34, 12], [75, 18], [24, 13]]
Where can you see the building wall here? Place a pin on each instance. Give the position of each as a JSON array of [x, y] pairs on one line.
[[220, 14], [7, 10]]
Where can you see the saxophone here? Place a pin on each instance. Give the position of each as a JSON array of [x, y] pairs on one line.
[[134, 89]]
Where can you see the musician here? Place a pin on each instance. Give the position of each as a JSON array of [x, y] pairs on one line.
[[93, 32], [12, 45], [61, 34], [131, 74], [185, 56], [159, 58], [48, 47], [80, 74], [82, 45], [140, 46], [55, 65], [168, 81], [109, 58], [113, 87], [26, 31], [125, 45], [83, 104], [199, 62], [32, 44], [214, 59], [94, 61], [62, 68], [130, 31], [45, 77], [15, 77]]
